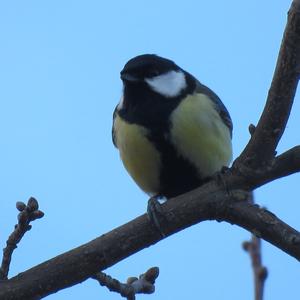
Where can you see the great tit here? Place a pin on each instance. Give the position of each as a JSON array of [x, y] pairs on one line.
[[173, 133]]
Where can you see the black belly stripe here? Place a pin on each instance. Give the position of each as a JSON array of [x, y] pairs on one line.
[[177, 175]]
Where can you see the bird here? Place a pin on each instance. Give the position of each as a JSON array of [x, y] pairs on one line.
[[173, 133]]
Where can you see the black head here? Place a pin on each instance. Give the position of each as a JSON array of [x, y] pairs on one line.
[[158, 75], [147, 66], [153, 87]]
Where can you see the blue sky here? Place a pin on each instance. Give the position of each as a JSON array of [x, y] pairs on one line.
[[60, 64]]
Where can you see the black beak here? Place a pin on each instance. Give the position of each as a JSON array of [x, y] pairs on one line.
[[128, 77]]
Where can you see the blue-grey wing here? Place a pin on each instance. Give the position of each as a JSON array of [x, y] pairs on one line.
[[113, 135], [220, 107]]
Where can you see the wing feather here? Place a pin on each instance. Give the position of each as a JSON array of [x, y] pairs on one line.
[[113, 134], [220, 107]]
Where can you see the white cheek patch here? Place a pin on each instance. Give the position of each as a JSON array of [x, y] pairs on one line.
[[169, 84]]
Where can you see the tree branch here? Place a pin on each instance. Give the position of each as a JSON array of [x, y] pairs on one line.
[[280, 97], [260, 273], [181, 212], [142, 285], [253, 247], [222, 201], [282, 165], [28, 213]]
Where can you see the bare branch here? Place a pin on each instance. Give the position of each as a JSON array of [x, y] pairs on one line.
[[253, 247], [280, 98], [142, 285], [83, 262], [283, 165], [28, 213], [287, 163]]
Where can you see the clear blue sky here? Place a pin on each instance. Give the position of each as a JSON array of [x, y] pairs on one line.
[[59, 74]]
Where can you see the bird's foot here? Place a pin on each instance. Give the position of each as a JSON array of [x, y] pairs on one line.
[[155, 213]]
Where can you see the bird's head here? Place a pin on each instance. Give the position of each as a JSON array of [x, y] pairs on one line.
[[159, 74]]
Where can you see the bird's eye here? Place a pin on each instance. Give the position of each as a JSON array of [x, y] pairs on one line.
[[153, 73]]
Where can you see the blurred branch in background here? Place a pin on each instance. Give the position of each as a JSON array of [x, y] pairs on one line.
[[260, 273]]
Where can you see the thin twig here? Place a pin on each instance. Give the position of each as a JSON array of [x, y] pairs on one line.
[[28, 213], [142, 285], [260, 272]]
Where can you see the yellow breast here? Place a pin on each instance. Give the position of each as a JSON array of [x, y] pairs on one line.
[[200, 135], [139, 156]]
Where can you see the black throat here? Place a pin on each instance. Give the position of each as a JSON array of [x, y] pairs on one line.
[[143, 106]]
